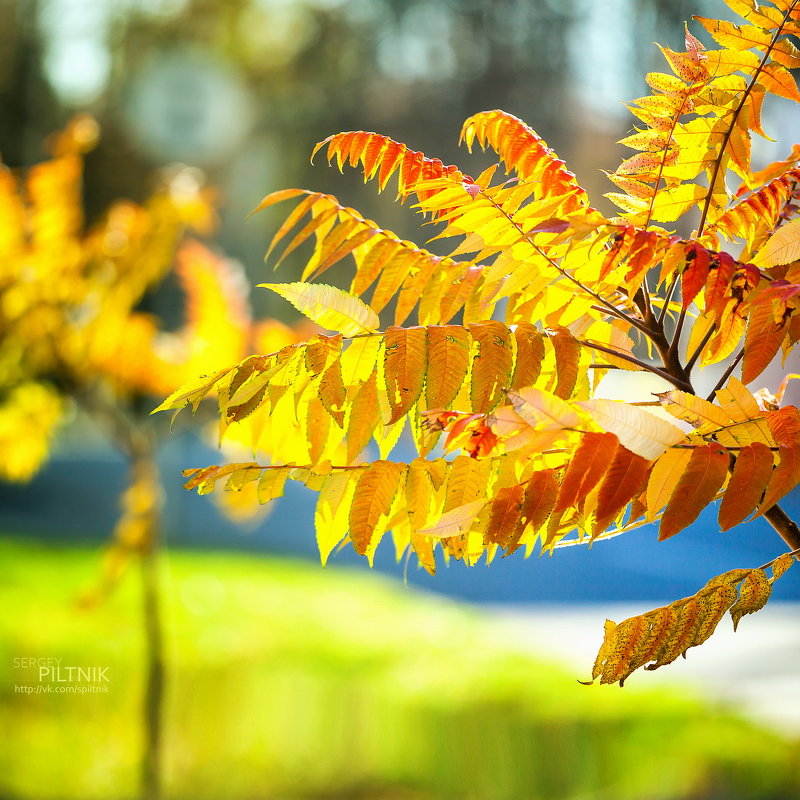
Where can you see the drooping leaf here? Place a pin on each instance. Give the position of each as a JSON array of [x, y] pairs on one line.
[[664, 477], [506, 516], [365, 417], [748, 481], [404, 368], [592, 458], [331, 516], [753, 595], [492, 366], [529, 355], [623, 480], [784, 477], [697, 487], [447, 365], [372, 501]]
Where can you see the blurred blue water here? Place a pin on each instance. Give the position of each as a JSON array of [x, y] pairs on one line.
[[78, 499]]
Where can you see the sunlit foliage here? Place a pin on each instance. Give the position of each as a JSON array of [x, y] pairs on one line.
[[541, 295]]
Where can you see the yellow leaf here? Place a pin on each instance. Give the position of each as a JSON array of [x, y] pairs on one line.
[[331, 514], [781, 564], [782, 247], [455, 522], [699, 413], [753, 595], [542, 410], [328, 306], [664, 478], [271, 483], [637, 429], [737, 402]]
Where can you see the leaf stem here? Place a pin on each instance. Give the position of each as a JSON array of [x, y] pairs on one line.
[[795, 553]]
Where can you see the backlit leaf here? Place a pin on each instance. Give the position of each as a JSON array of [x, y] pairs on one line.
[[404, 368], [663, 479], [623, 480], [747, 484], [782, 247], [448, 363], [328, 306], [372, 501], [699, 484], [638, 430], [492, 365], [592, 458]]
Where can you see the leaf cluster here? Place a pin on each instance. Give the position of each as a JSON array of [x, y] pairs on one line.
[[500, 380]]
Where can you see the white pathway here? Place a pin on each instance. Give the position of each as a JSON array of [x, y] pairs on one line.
[[756, 669]]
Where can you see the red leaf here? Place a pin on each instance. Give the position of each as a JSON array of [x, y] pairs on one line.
[[694, 277]]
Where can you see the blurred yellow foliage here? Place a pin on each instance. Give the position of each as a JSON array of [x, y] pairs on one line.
[[28, 420]]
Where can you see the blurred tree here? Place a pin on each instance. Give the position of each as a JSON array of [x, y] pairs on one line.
[[72, 330]]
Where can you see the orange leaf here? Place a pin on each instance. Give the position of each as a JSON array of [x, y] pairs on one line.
[[785, 477], [695, 274], [506, 516], [372, 500], [365, 416], [762, 340], [540, 498], [568, 353], [530, 354], [718, 283], [492, 366], [699, 484], [748, 480], [623, 481], [592, 458], [448, 363], [524, 151], [404, 367], [784, 424]]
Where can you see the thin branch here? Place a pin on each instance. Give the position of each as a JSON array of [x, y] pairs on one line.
[[676, 382], [725, 375], [705, 340], [784, 526], [795, 553], [667, 300], [676, 335]]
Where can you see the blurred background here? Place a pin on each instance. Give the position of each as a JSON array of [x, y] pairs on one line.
[[286, 680]]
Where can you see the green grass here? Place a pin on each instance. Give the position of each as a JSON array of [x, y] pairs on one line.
[[286, 681]]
